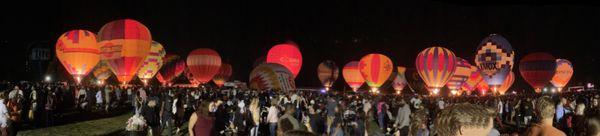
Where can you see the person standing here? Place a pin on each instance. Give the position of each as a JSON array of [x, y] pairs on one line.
[[272, 118], [3, 116], [545, 110], [403, 118], [201, 123]]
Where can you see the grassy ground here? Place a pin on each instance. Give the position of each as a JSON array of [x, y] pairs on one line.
[[88, 128]]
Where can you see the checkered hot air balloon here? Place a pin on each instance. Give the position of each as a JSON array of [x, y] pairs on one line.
[[510, 79], [272, 76], [352, 75], [537, 69], [124, 44], [152, 63], [203, 64], [172, 69], [288, 55], [375, 69], [461, 74], [327, 72], [474, 79], [78, 52], [495, 59], [223, 75], [564, 71], [435, 66]]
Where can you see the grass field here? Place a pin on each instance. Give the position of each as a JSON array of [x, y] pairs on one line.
[[87, 128]]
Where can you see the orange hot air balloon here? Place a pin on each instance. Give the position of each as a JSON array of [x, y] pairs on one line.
[[375, 69], [288, 55], [327, 72], [510, 79], [352, 75], [124, 45], [483, 87], [461, 74], [436, 65], [564, 71], [223, 75], [152, 63], [78, 52], [204, 64]]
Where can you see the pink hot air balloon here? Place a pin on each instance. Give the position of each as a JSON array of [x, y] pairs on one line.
[[204, 64], [288, 55], [436, 65]]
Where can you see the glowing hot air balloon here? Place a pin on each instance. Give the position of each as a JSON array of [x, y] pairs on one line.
[[204, 64], [474, 79], [483, 87], [328, 72], [436, 65], [288, 55], [272, 76], [461, 74], [537, 69], [124, 45], [510, 79], [375, 69], [223, 75], [400, 81], [172, 70], [495, 59], [564, 71], [152, 63], [415, 83], [78, 52], [161, 79], [190, 77], [352, 75], [102, 72]]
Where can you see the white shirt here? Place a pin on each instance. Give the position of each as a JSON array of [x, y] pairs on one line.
[[14, 93], [403, 117], [3, 114], [441, 104], [272, 115], [99, 97], [500, 109]]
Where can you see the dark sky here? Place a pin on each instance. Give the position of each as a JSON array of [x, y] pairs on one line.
[[339, 30]]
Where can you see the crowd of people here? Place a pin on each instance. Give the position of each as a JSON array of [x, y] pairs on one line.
[[233, 111]]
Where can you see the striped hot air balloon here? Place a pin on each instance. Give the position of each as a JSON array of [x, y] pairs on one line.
[[537, 69], [564, 71], [223, 75], [352, 75], [327, 72], [272, 76], [495, 59], [172, 70], [510, 79], [124, 44], [152, 63], [474, 79], [436, 65], [204, 64], [78, 52], [375, 69], [461, 74], [400, 81], [102, 72], [288, 55]]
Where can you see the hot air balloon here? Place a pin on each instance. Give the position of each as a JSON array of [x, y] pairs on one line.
[[510, 79], [461, 74], [352, 75], [272, 76], [328, 72], [495, 59], [190, 77], [400, 81], [483, 87], [152, 63], [375, 69], [436, 65], [78, 52], [223, 75], [288, 55], [537, 69], [124, 45], [474, 79], [564, 71], [415, 83], [204, 64], [172, 70], [161, 79], [102, 72]]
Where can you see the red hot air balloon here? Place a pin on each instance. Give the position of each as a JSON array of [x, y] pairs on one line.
[[172, 70], [461, 74], [204, 64], [78, 51], [474, 79], [161, 79], [436, 65], [190, 77], [537, 69], [288, 55], [223, 75], [352, 75], [564, 71], [327, 72], [124, 45], [375, 69]]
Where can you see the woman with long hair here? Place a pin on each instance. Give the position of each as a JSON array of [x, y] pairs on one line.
[[201, 123]]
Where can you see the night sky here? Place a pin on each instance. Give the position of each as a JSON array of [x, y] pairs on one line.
[[338, 30]]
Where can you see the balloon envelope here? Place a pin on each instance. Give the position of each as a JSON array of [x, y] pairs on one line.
[[124, 44], [172, 70], [204, 64], [436, 65], [415, 83], [510, 79], [153, 62], [563, 73], [102, 71], [375, 69], [223, 75], [288, 55], [495, 59], [272, 76], [537, 69], [461, 74], [352, 75], [78, 52], [328, 72], [400, 81]]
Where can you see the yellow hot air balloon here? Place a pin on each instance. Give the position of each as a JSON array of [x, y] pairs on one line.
[[375, 69], [436, 65], [152, 63], [78, 51], [564, 71]]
